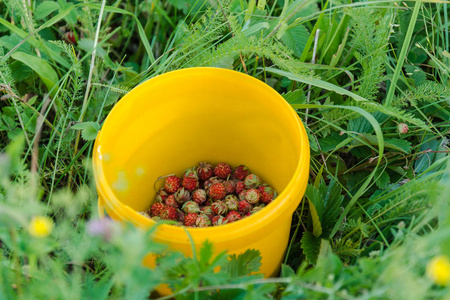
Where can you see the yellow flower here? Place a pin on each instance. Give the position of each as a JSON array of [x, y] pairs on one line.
[[438, 269], [40, 226]]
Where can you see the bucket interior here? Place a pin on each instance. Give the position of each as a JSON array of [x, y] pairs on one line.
[[174, 121]]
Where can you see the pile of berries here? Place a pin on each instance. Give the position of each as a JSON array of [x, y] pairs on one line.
[[211, 196]]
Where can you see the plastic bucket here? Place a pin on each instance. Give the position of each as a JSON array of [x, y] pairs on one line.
[[172, 122]]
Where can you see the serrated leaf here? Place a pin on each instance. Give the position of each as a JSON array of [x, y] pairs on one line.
[[287, 271], [295, 38], [311, 247], [244, 264], [396, 144], [382, 179], [45, 8], [89, 130], [295, 97], [41, 67], [361, 125], [329, 143], [317, 226]]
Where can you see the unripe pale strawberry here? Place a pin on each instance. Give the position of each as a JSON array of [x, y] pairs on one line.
[[242, 194], [233, 216], [172, 184], [182, 195], [222, 170], [402, 128], [219, 208], [256, 209], [205, 171], [232, 202], [240, 172], [203, 221], [252, 196], [199, 196], [252, 181], [191, 207], [207, 211]]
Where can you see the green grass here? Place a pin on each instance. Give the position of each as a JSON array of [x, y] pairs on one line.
[[375, 212]]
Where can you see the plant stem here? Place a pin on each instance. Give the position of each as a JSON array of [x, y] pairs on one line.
[[401, 58]]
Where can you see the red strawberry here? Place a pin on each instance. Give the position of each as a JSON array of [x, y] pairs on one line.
[[169, 213], [69, 37], [191, 207], [252, 181], [267, 193], [233, 216], [222, 170], [182, 195], [230, 186], [190, 183], [190, 173], [205, 171], [252, 196], [156, 209], [173, 183], [202, 221], [240, 172], [244, 207], [232, 202], [219, 220], [170, 200], [208, 183], [189, 219], [219, 207], [199, 196], [217, 191], [161, 195], [240, 186], [208, 211]]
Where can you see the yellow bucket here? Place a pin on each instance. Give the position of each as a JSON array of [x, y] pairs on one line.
[[172, 122]]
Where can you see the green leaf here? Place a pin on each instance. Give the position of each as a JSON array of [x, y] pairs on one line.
[[45, 8], [41, 67], [311, 247], [295, 97], [382, 180], [317, 227], [396, 144], [295, 38], [88, 46], [89, 130], [287, 271], [316, 82], [330, 142], [244, 264]]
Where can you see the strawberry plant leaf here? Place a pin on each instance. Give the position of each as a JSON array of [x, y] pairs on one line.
[[244, 264], [317, 227], [311, 247], [45, 8], [89, 130], [295, 38]]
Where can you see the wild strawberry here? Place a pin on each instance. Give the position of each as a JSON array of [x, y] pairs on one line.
[[161, 195], [230, 186], [190, 173], [199, 196], [182, 195], [191, 207], [240, 186], [181, 216], [202, 221], [144, 213], [244, 206], [241, 195], [190, 183], [69, 37], [217, 191], [219, 207], [219, 220], [170, 200], [205, 171], [232, 202], [208, 183], [189, 219], [233, 216], [402, 128], [222, 170], [208, 211], [169, 213], [172, 184], [156, 209], [267, 193], [240, 172], [252, 196], [256, 209], [252, 181]]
